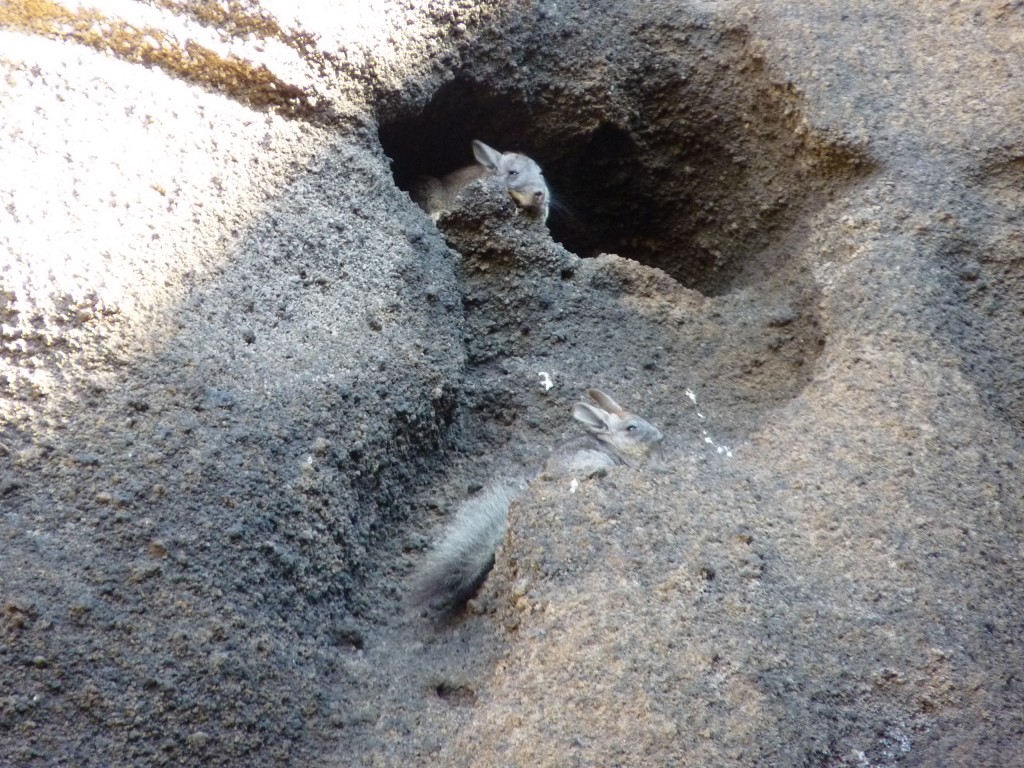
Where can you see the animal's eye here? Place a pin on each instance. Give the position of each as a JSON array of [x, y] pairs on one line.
[[513, 172], [631, 428]]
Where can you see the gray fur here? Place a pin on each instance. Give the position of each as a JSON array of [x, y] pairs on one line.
[[459, 563], [520, 175]]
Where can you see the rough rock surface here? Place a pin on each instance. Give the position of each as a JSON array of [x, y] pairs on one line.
[[244, 380]]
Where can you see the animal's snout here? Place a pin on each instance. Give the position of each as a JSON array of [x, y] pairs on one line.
[[533, 201], [656, 452], [526, 197]]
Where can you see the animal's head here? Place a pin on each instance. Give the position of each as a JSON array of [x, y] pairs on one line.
[[609, 422], [521, 176]]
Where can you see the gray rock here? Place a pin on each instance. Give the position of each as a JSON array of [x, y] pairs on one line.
[[788, 233]]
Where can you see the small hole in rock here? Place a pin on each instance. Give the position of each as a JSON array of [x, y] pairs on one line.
[[455, 694]]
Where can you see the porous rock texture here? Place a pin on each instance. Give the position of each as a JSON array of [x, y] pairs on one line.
[[244, 381]]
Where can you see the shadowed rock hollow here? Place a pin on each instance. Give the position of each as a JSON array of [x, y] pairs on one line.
[[245, 381]]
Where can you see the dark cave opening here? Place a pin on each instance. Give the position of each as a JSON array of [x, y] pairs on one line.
[[704, 186], [597, 179]]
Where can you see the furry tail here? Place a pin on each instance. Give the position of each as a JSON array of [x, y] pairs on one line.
[[459, 563]]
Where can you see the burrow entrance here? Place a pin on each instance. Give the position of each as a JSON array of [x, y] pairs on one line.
[[695, 163]]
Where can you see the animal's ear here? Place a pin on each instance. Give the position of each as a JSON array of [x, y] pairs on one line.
[[606, 402], [592, 418], [486, 156]]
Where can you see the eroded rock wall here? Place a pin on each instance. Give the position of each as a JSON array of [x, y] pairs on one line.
[[245, 379]]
